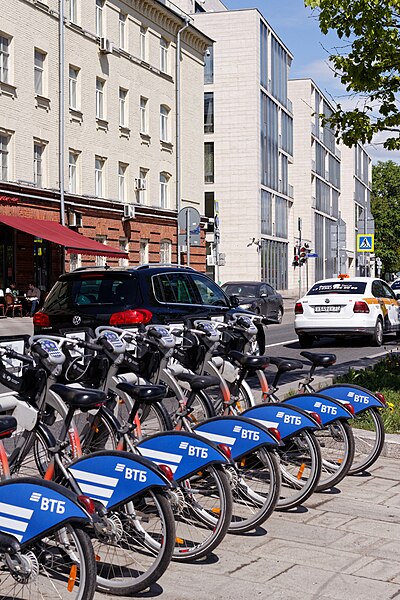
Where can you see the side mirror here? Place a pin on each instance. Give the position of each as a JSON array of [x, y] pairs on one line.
[[397, 296], [234, 301]]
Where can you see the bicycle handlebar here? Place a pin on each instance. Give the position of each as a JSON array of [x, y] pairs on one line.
[[10, 353], [36, 347]]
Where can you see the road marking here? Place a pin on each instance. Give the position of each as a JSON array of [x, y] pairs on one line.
[[282, 343], [378, 354]]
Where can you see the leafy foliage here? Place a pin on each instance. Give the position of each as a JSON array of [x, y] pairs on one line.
[[385, 208], [368, 64], [385, 378]]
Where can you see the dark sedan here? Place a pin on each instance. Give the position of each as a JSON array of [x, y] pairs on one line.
[[256, 296]]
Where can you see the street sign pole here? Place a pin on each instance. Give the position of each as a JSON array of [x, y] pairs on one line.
[[188, 237], [299, 229]]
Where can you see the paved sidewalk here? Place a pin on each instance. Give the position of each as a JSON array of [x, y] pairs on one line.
[[340, 545]]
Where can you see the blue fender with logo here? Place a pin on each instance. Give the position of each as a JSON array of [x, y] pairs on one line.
[[328, 409], [33, 508], [185, 453], [115, 477], [240, 434], [357, 396], [288, 420]]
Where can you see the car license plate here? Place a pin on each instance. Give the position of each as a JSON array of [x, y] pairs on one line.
[[320, 309]]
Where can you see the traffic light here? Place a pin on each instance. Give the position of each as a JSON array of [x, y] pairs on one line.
[[296, 257], [303, 255]]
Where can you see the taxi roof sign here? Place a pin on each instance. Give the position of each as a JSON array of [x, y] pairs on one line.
[[365, 242]]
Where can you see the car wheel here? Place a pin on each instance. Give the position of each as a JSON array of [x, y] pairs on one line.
[[279, 315], [306, 341], [377, 336]]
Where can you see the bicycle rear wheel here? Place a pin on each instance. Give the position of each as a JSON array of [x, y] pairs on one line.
[[62, 565], [337, 450], [255, 484], [137, 546], [368, 444], [300, 462], [202, 506]]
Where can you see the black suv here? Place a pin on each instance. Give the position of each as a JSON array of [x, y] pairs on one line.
[[90, 297]]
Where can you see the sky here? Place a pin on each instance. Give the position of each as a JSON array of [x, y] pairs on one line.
[[297, 26]]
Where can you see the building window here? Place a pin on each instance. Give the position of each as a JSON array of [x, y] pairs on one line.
[[122, 107], [143, 115], [142, 187], [209, 162], [209, 112], [165, 252], [73, 11], [164, 113], [99, 17], [163, 55], [124, 247], [4, 153], [99, 98], [101, 260], [122, 31], [164, 178], [40, 58], [143, 43], [209, 65], [144, 251], [99, 177], [38, 151], [5, 59], [122, 182], [73, 172], [73, 87]]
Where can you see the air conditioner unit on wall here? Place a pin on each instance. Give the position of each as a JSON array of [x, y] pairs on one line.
[[106, 45], [129, 211], [140, 183], [75, 219]]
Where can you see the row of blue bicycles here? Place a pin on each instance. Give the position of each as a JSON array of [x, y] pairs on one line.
[[122, 450]]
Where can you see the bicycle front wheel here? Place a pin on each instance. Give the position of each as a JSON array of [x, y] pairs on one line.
[[60, 566], [337, 450], [368, 440], [136, 546]]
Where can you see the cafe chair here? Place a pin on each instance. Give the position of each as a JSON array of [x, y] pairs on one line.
[[13, 305]]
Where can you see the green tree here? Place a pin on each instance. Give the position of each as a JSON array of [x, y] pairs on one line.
[[367, 64], [385, 207]]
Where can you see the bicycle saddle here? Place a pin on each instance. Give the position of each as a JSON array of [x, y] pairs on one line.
[[81, 398], [250, 362], [143, 393], [285, 364], [198, 382], [7, 426], [320, 360]]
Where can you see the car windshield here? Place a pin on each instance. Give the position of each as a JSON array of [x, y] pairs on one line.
[[337, 287], [242, 290]]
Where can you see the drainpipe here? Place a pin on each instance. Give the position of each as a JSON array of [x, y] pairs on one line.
[[61, 124], [178, 127]]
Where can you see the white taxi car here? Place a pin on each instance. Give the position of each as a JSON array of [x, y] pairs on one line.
[[364, 306]]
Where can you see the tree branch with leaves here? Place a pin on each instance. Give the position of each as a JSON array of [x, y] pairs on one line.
[[370, 68]]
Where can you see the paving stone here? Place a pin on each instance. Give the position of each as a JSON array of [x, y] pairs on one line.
[[364, 509], [384, 570], [290, 530], [329, 519], [390, 531], [313, 582], [352, 541]]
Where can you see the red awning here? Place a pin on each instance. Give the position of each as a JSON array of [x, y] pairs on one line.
[[58, 234]]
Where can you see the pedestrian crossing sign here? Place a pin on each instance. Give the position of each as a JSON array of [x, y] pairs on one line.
[[365, 242]]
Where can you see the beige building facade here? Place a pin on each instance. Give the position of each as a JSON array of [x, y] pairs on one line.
[[119, 122]]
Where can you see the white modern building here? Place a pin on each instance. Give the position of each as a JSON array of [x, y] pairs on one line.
[[247, 144], [332, 185]]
